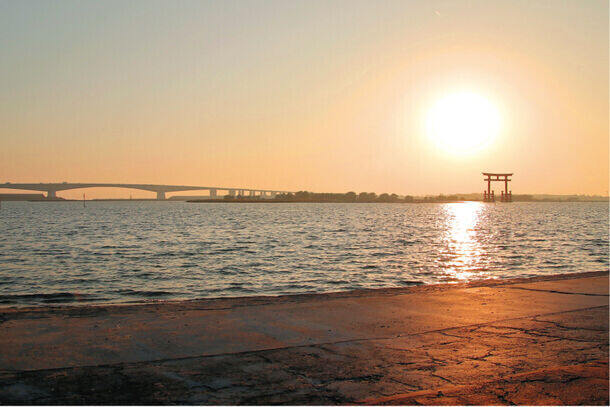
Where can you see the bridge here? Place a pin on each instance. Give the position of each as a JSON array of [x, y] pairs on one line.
[[52, 188]]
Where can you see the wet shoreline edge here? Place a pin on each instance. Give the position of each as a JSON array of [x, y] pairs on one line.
[[256, 300]]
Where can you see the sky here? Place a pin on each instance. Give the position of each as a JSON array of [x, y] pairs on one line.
[[325, 96]]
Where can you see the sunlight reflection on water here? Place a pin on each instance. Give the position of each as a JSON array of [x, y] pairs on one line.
[[463, 248]]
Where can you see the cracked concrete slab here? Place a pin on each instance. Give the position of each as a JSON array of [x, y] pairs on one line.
[[310, 349], [572, 385]]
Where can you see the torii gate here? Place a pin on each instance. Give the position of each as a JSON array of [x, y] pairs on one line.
[[506, 195]]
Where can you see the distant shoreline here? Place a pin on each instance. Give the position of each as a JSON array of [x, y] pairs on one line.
[[312, 198], [295, 201], [399, 202], [301, 201]]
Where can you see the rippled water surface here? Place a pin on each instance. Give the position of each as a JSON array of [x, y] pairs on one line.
[[60, 252]]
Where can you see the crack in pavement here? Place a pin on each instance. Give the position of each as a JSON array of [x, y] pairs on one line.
[[533, 332], [441, 377], [569, 328], [556, 291]]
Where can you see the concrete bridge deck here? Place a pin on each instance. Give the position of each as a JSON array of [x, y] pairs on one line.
[[536, 341], [52, 188]]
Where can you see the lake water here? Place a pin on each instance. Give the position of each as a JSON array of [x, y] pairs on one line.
[[60, 252]]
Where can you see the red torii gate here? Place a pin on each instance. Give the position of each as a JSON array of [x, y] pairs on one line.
[[506, 195]]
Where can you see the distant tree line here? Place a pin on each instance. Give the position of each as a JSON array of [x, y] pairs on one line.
[[369, 197], [365, 197], [559, 198], [306, 196]]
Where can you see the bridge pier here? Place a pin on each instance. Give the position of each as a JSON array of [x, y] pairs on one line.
[[51, 194], [213, 193], [160, 195]]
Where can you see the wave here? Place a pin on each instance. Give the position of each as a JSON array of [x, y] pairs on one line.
[[147, 294], [48, 298]]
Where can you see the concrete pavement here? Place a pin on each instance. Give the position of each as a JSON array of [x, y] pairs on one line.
[[389, 346]]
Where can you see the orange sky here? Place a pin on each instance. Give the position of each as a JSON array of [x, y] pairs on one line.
[[316, 95]]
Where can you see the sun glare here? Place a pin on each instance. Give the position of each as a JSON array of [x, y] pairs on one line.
[[463, 123]]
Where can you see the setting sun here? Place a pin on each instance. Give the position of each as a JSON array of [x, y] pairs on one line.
[[463, 123]]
